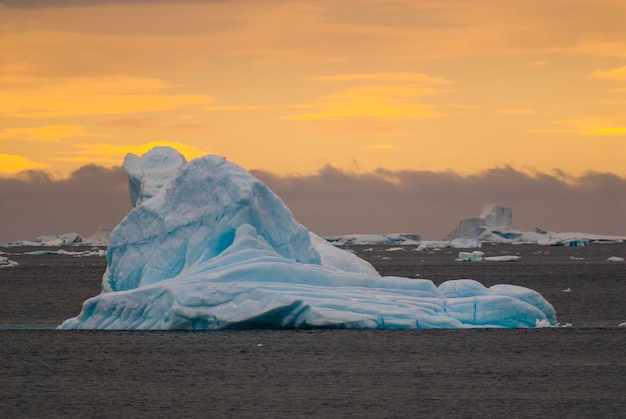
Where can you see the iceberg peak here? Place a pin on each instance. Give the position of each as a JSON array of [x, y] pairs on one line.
[[149, 173]]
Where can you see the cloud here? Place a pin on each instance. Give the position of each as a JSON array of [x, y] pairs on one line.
[[38, 204], [382, 147], [616, 74], [516, 111], [607, 131], [385, 77], [47, 133], [333, 201], [53, 98], [587, 126], [431, 203], [387, 102], [11, 164], [233, 108], [536, 64]]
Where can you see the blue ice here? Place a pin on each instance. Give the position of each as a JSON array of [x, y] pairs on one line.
[[208, 246]]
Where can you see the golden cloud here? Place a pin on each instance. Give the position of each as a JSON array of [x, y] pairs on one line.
[[11, 164], [49, 98], [382, 147], [388, 102], [606, 131], [589, 126], [613, 74], [232, 108], [50, 133], [516, 111], [385, 77]]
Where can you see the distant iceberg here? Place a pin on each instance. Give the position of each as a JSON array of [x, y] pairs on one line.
[[494, 225], [98, 238], [208, 246], [387, 238]]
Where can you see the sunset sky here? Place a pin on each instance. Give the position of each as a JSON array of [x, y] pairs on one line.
[[291, 87]]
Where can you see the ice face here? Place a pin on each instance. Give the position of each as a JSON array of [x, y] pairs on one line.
[[213, 248]]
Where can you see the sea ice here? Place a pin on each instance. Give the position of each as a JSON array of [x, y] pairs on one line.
[[5, 262], [505, 258], [475, 256], [208, 246]]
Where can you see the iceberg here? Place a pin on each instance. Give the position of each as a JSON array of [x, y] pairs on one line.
[[208, 246], [98, 238], [403, 239], [494, 225]]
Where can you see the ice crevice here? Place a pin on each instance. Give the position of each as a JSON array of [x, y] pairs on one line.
[[208, 246]]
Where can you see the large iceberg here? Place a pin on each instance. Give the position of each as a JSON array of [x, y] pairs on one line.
[[208, 246]]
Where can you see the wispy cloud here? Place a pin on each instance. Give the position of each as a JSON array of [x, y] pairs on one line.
[[516, 111], [382, 147], [589, 126], [606, 131], [232, 108], [418, 78], [613, 74], [50, 98], [388, 102], [49, 133], [536, 64], [11, 164]]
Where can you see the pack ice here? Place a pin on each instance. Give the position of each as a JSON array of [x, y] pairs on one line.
[[208, 246]]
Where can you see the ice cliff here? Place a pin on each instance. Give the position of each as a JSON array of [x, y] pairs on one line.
[[208, 246]]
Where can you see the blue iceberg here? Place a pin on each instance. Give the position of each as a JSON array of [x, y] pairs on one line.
[[208, 246]]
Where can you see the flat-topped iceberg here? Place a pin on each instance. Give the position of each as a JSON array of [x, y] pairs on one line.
[[208, 246]]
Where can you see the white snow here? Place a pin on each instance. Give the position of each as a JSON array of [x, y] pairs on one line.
[[615, 259], [213, 248]]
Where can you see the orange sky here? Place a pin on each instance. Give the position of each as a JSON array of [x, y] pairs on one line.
[[290, 86]]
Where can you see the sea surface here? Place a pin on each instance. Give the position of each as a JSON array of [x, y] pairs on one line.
[[575, 370]]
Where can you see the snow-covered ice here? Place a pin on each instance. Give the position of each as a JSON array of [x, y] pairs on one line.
[[208, 246]]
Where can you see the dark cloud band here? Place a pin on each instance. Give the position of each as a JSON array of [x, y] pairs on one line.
[[337, 202]]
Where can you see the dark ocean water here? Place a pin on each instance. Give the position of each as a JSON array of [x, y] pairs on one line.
[[577, 371]]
